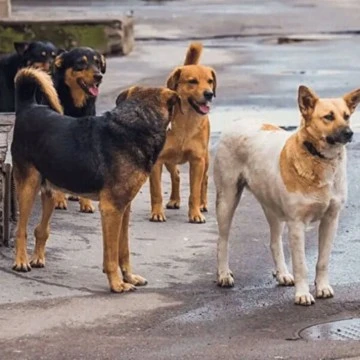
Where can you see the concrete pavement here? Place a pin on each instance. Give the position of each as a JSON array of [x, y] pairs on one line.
[[65, 311]]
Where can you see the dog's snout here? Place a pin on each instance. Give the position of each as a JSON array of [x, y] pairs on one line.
[[97, 77], [208, 95], [347, 133]]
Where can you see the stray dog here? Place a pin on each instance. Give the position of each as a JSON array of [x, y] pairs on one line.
[[298, 178], [188, 139], [77, 75], [38, 54], [106, 158]]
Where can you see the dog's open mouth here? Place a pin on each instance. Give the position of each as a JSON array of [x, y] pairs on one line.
[[92, 90], [201, 108]]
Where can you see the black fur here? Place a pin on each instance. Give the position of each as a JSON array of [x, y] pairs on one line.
[[26, 54], [72, 60], [83, 155]]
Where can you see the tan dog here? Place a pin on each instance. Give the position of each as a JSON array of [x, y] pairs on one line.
[[298, 178], [188, 139]]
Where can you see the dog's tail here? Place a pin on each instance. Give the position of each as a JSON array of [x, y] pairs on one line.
[[30, 82], [193, 54]]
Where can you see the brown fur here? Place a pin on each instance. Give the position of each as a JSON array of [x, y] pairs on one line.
[[300, 170], [188, 139], [270, 127], [46, 86]]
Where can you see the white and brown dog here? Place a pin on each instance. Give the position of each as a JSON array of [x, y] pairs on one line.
[[298, 178]]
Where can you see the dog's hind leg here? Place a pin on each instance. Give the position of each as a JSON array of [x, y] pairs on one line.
[[60, 200], [228, 194], [124, 253], [111, 219], [204, 186], [174, 202], [27, 187], [282, 273], [42, 231], [157, 211]]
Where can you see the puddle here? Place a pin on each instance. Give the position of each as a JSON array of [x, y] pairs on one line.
[[337, 330]]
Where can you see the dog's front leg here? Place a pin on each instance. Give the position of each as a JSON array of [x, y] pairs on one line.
[[60, 200], [327, 230], [157, 211], [124, 253], [204, 186], [197, 169], [297, 245], [174, 202], [111, 218]]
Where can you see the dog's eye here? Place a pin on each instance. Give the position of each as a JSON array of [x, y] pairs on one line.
[[346, 116], [43, 53], [210, 81], [329, 117], [193, 81]]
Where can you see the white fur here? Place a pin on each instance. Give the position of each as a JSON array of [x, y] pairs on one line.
[[250, 157]]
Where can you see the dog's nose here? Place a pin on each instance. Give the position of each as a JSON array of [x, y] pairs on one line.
[[97, 77], [208, 95], [347, 133]]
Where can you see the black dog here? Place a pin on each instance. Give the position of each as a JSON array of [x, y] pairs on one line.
[[77, 75], [107, 158], [37, 54]]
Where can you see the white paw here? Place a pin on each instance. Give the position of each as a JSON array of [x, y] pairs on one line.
[[225, 279], [284, 279], [324, 292], [304, 298]]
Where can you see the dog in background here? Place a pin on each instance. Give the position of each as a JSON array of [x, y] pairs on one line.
[[188, 139], [298, 178], [37, 54], [77, 76], [106, 158]]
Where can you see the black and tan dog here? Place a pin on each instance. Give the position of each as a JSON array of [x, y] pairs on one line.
[[38, 54], [106, 158], [77, 75]]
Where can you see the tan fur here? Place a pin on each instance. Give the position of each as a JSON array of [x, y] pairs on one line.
[[46, 84], [187, 141], [270, 127], [193, 54]]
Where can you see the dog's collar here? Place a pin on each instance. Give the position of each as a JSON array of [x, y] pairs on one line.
[[312, 150]]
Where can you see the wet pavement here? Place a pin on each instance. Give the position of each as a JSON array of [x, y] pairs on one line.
[[65, 311]]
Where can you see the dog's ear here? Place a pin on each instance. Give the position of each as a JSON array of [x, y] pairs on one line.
[[126, 94], [173, 98], [102, 64], [21, 47], [173, 80], [59, 60], [307, 100], [60, 51], [213, 73], [352, 99]]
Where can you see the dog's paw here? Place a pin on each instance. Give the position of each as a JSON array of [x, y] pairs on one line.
[[225, 279], [37, 261], [324, 291], [22, 264], [204, 208], [173, 204], [305, 299], [196, 218], [284, 279], [61, 204], [158, 217], [121, 286], [136, 280], [86, 206], [73, 198]]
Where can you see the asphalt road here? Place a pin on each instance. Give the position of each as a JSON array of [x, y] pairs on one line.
[[65, 310]]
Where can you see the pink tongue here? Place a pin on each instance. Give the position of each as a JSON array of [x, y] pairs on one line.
[[94, 91], [204, 109]]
